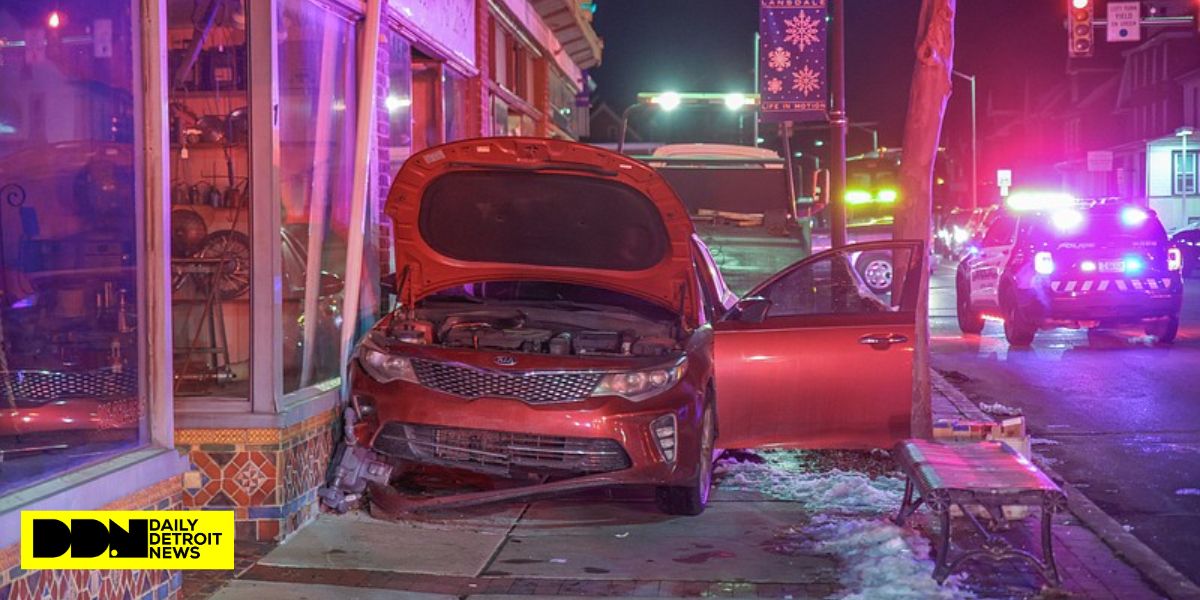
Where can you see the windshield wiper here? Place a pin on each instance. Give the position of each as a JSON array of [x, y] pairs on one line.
[[555, 166]]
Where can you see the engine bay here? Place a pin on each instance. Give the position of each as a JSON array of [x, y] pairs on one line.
[[538, 330]]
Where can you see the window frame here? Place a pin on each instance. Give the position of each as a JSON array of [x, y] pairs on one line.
[[1180, 173]]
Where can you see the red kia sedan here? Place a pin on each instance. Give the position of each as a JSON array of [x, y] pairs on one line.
[[560, 323]]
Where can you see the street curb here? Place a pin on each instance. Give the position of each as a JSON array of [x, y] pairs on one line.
[[1157, 571]]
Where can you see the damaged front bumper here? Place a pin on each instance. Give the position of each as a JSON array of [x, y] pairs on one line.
[[353, 468]]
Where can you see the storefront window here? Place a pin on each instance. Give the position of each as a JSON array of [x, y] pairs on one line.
[[426, 108], [454, 90], [399, 101], [210, 197], [562, 104], [70, 345], [316, 130], [499, 116]]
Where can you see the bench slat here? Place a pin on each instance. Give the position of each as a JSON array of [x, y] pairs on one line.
[[990, 467]]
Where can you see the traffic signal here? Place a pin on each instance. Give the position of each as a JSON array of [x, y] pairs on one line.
[[1079, 26]]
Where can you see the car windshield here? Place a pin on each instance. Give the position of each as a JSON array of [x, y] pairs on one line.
[[542, 219]]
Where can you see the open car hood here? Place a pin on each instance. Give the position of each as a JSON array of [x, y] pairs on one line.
[[533, 209]]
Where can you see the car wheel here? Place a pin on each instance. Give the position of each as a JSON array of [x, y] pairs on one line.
[[691, 499], [876, 271], [1018, 330], [1164, 330], [969, 321]]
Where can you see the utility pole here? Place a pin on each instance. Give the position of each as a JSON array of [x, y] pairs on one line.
[[837, 127]]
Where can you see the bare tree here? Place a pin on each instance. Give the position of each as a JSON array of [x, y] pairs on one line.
[[922, 129]]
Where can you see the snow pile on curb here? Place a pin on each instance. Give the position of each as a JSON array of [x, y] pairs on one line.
[[999, 409], [851, 520]]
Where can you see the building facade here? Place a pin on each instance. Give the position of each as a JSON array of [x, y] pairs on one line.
[[191, 234], [1132, 135]]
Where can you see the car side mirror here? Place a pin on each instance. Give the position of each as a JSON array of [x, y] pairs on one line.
[[751, 310]]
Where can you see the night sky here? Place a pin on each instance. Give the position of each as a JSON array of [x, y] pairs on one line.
[[708, 45]]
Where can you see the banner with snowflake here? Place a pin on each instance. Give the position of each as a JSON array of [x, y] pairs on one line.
[[791, 72]]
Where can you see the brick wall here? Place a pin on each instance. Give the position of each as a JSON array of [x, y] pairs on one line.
[[268, 477], [383, 156], [16, 584]]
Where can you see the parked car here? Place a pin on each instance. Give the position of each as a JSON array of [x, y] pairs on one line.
[[560, 321], [1187, 240], [1071, 265]]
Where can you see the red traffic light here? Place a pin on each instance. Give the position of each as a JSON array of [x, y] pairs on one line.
[[1079, 28]]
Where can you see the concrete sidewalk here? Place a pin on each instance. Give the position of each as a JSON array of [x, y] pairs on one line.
[[616, 544]]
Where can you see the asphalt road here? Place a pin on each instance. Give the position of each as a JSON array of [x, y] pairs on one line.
[[1113, 413]]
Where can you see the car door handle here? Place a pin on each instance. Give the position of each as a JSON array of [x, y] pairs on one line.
[[882, 341]]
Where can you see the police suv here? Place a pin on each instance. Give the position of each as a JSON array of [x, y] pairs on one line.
[[1049, 261]]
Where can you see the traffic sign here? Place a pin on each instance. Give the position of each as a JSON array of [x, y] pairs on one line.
[[1124, 21], [1004, 181]]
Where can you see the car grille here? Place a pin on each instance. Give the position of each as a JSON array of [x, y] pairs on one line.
[[41, 386], [500, 452], [534, 388]]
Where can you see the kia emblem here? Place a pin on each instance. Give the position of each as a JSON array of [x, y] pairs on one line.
[[505, 360]]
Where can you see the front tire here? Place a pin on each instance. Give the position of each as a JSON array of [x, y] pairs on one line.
[[690, 500], [1165, 330], [969, 320]]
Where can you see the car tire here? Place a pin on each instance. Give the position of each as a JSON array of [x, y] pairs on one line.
[[876, 270], [1165, 330], [1018, 330], [969, 320], [690, 500]]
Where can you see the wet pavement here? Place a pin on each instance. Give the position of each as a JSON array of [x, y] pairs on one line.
[[1112, 412]]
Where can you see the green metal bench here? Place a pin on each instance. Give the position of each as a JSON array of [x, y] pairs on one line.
[[978, 474]]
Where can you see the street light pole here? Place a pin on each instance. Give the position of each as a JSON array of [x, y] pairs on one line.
[[625, 125], [1183, 133], [757, 41], [837, 127], [974, 143]]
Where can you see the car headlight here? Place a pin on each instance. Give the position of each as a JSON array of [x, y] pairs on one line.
[[385, 367], [640, 385]]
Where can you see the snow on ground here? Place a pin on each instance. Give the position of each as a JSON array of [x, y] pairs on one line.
[[999, 409], [851, 520]]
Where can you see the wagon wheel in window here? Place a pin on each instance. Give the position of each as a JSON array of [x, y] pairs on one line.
[[233, 278], [188, 232]]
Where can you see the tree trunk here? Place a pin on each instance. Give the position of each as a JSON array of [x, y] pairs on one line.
[[922, 129]]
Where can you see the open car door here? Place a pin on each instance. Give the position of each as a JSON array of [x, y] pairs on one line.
[[816, 358]]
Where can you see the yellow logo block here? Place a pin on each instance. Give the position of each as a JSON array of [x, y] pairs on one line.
[[126, 539]]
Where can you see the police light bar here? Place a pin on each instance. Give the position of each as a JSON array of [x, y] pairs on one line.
[[1034, 201]]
